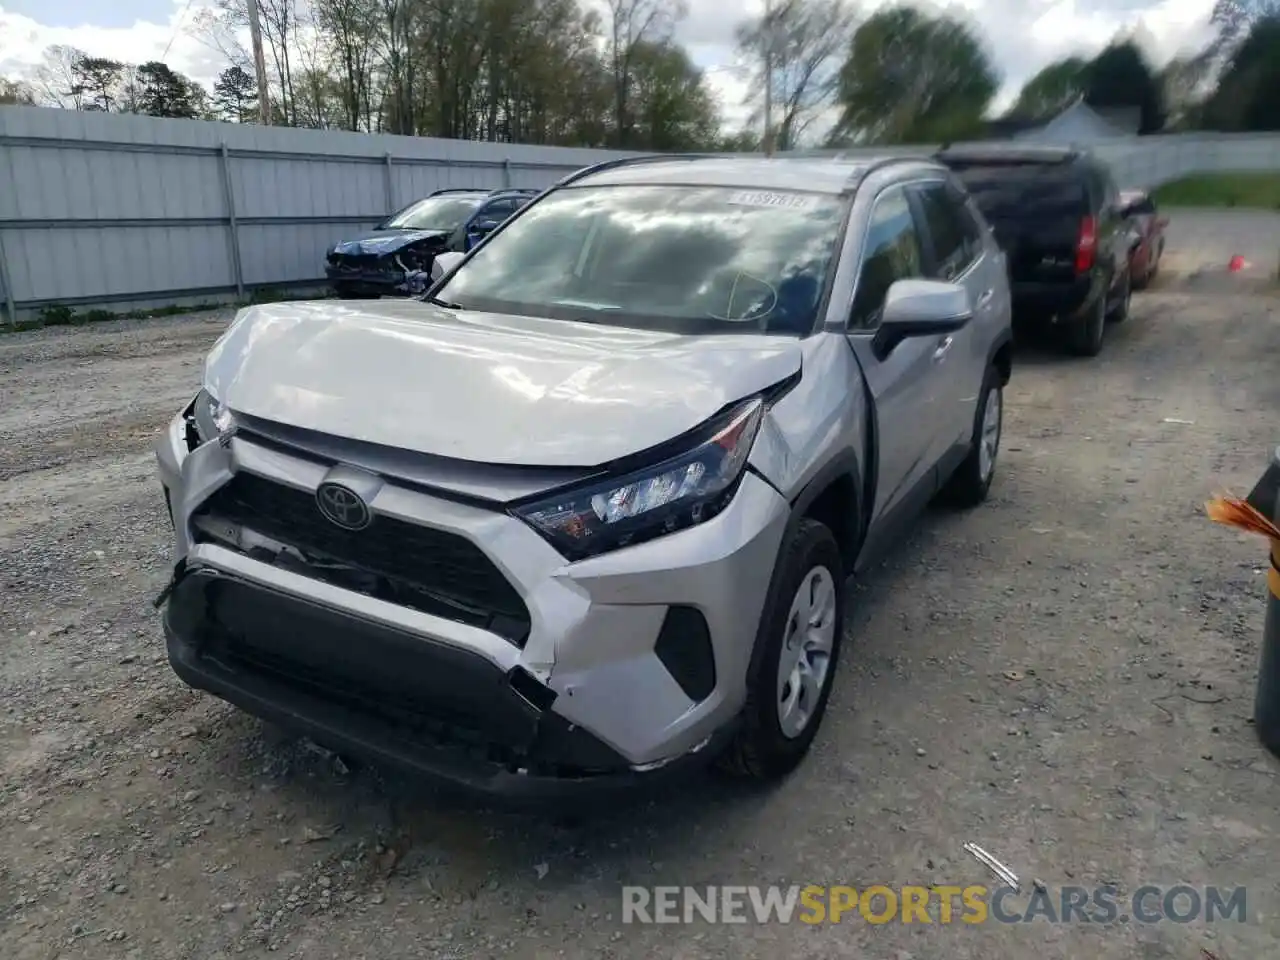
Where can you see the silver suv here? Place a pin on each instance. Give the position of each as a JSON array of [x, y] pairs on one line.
[[583, 514]]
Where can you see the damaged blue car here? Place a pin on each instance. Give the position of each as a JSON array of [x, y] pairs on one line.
[[408, 241]]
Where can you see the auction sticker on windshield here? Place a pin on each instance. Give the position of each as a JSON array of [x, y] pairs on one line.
[[762, 198]]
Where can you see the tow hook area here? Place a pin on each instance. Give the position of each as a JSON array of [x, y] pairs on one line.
[[531, 689], [180, 572]]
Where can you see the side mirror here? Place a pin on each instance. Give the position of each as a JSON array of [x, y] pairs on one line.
[[921, 308], [444, 263], [482, 228]]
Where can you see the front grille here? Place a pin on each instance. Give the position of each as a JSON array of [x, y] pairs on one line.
[[411, 565], [357, 261]]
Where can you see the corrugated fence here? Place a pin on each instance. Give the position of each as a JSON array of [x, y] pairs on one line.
[[120, 211]]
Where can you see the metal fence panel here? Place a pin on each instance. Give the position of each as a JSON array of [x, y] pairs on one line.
[[109, 208]]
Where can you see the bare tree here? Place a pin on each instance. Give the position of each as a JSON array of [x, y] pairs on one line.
[[631, 24], [349, 28], [804, 41], [56, 82], [218, 28], [279, 30], [221, 28], [16, 92]]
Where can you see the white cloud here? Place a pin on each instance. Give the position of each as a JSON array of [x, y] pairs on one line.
[[23, 41]]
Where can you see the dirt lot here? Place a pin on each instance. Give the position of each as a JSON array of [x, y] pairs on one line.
[[1063, 676]]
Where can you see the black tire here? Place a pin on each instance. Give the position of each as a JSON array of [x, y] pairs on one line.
[[1084, 337], [760, 750], [1120, 312], [971, 482], [1144, 281], [346, 291]]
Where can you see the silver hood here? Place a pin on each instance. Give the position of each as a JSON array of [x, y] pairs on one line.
[[483, 387]]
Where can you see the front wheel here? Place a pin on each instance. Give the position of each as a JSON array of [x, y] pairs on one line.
[[794, 663], [971, 482]]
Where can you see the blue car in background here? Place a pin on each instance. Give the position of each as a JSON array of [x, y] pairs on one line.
[[454, 219]]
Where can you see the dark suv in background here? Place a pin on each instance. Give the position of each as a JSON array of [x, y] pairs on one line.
[[1058, 217], [454, 219]]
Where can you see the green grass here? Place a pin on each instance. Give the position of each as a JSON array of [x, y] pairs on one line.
[[1257, 190]]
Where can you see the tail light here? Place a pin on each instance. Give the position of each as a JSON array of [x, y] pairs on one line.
[[1086, 245]]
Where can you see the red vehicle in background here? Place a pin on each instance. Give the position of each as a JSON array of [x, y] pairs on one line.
[[1147, 226]]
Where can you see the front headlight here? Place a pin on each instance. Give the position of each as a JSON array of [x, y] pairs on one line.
[[212, 418], [679, 492]]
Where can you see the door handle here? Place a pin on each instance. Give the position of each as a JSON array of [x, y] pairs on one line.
[[985, 298], [941, 353]]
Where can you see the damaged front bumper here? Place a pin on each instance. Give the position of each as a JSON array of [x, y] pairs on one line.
[[371, 690], [605, 673]]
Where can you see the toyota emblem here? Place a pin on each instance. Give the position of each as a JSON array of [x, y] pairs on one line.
[[342, 506]]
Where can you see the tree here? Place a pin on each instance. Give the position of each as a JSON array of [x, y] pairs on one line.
[[1232, 21], [166, 93], [235, 95], [1119, 76], [1183, 84], [96, 81], [588, 73], [1245, 98], [16, 92], [672, 107], [633, 23], [1053, 89], [348, 28], [910, 77], [799, 41], [56, 79]]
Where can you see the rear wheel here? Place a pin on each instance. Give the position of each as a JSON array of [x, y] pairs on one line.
[[795, 659], [1120, 312], [1086, 333]]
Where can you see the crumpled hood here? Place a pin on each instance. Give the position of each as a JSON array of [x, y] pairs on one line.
[[381, 242], [483, 387]]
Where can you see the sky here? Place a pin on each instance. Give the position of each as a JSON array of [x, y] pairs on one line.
[[1021, 35]]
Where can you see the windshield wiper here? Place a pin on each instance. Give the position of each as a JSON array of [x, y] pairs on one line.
[[437, 302]]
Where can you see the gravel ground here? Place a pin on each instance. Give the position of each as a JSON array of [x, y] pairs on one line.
[[1063, 676]]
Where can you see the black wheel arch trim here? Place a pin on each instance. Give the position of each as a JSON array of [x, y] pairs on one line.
[[843, 465], [846, 465], [1004, 340]]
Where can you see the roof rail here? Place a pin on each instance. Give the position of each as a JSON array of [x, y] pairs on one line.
[[436, 193], [628, 161], [861, 173]]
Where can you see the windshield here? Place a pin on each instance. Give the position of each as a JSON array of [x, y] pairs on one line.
[[679, 258], [434, 213]]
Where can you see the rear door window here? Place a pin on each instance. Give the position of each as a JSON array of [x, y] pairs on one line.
[[950, 229], [497, 210]]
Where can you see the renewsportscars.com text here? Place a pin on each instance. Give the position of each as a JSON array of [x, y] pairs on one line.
[[973, 904]]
